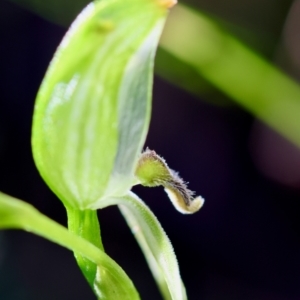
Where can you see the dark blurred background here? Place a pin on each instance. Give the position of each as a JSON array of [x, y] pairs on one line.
[[245, 242]]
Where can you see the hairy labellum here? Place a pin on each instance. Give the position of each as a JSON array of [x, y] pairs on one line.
[[152, 170]]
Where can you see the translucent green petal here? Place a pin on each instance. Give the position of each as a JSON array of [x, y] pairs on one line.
[[92, 111], [111, 281], [154, 243]]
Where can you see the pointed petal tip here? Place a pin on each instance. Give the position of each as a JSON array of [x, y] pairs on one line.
[[167, 3]]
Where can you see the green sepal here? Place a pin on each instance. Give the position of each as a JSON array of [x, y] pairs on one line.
[[154, 243]]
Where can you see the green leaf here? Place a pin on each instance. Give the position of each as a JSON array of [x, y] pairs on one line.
[[236, 70], [93, 108], [111, 281], [154, 243]]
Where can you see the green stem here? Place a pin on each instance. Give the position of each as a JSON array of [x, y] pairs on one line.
[[85, 223]]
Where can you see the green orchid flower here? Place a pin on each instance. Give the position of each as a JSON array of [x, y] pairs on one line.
[[90, 122]]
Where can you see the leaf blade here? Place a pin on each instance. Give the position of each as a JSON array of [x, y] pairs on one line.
[[111, 281]]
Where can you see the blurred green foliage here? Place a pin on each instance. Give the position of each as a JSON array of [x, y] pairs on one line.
[[234, 69]]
